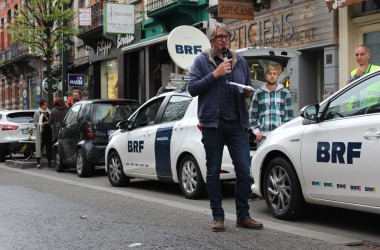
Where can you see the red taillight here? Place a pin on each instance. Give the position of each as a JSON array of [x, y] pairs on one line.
[[89, 130], [8, 127]]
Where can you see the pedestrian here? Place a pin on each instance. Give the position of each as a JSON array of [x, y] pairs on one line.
[[57, 114], [77, 95], [271, 105], [224, 120], [362, 57], [43, 133]]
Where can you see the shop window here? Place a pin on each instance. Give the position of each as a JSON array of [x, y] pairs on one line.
[[371, 6], [372, 41]]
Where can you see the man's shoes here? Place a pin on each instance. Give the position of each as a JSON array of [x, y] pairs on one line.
[[249, 223], [217, 225], [39, 166]]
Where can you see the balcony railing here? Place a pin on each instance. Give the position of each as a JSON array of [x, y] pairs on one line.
[[156, 4], [14, 50]]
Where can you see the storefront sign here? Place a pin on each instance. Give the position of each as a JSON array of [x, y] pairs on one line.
[[119, 18], [335, 4], [103, 47], [54, 86], [238, 9], [306, 25], [274, 31], [76, 80], [124, 40]]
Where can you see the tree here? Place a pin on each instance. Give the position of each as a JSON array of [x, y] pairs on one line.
[[43, 25]]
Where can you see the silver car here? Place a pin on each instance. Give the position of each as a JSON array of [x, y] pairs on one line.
[[14, 126]]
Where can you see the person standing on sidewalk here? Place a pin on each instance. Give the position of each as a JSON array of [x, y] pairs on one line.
[[224, 120], [43, 134], [57, 114]]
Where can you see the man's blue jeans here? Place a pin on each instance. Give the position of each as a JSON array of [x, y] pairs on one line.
[[237, 140]]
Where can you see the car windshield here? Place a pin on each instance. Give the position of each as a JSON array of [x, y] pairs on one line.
[[20, 117], [112, 112]]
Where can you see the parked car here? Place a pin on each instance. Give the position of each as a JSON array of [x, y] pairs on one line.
[[83, 134], [162, 141], [327, 156], [14, 126]]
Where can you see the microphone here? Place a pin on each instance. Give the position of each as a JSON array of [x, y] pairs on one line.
[[225, 53]]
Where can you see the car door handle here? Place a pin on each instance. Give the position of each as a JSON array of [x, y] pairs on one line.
[[368, 135], [178, 127]]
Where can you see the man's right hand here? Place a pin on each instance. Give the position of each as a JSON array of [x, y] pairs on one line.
[[259, 136], [360, 71], [222, 69]]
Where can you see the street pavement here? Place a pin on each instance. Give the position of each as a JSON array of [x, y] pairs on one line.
[[43, 210]]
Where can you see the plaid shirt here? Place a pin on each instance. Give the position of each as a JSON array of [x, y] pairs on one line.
[[269, 110]]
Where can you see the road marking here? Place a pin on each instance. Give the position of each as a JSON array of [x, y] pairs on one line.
[[335, 239]]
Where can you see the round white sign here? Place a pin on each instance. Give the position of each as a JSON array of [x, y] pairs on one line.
[[38, 90], [185, 43], [54, 86]]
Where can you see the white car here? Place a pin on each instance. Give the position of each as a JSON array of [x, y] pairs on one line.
[[328, 156], [162, 141], [14, 126]]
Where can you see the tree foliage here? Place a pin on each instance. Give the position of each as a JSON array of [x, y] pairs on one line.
[[43, 25]]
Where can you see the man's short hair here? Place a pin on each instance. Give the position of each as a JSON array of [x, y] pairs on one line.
[[361, 45], [222, 26], [271, 67]]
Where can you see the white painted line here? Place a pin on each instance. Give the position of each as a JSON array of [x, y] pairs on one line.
[[332, 238]]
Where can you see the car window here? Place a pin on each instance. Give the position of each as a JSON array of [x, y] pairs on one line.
[[363, 98], [176, 108], [20, 117], [112, 112], [147, 114], [72, 115]]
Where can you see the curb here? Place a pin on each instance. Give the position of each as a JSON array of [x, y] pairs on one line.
[[21, 164]]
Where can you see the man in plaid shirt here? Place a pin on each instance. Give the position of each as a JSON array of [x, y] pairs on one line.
[[271, 105]]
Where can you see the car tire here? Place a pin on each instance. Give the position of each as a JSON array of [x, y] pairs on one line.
[[83, 166], [2, 157], [115, 171], [282, 191], [190, 178], [58, 164]]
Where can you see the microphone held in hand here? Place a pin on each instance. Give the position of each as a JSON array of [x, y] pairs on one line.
[[225, 53]]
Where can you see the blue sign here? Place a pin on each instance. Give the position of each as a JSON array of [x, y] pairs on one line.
[[76, 80]]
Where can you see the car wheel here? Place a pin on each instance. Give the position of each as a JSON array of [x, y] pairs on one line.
[[84, 167], [282, 191], [190, 178], [115, 171], [2, 157], [58, 164]]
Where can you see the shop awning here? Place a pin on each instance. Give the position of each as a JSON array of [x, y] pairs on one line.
[[146, 42]]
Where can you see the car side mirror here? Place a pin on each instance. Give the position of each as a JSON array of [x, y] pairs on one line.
[[310, 112], [124, 125]]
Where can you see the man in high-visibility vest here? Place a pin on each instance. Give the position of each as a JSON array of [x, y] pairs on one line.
[[372, 94], [362, 56]]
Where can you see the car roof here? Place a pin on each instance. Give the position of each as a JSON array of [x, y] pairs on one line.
[[110, 101]]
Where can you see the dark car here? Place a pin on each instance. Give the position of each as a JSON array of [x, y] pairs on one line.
[[83, 134]]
